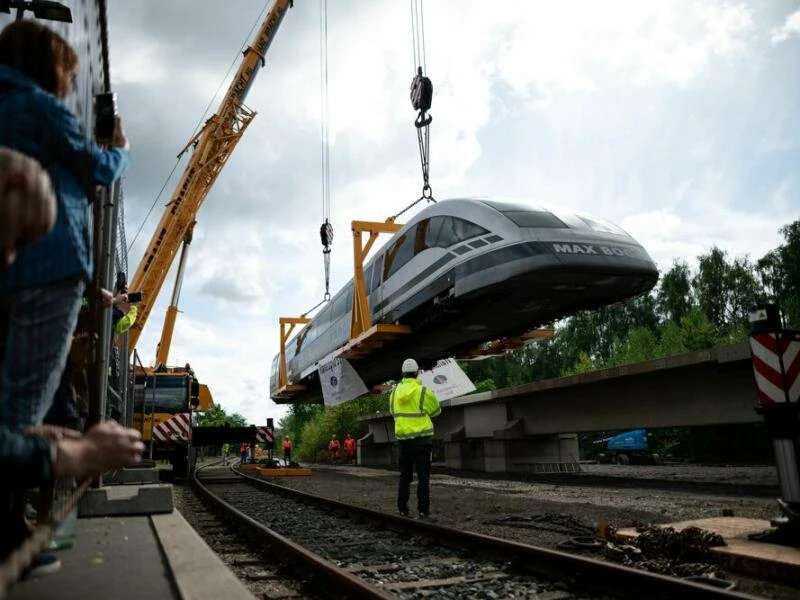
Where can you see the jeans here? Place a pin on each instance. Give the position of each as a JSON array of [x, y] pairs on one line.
[[36, 327], [39, 323], [415, 453]]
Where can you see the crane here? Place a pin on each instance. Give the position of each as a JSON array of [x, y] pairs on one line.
[[163, 398], [211, 149]]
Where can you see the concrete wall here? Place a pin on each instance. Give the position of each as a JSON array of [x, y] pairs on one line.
[[483, 420]]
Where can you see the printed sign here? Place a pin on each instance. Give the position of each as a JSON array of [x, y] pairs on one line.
[[596, 250], [340, 382], [447, 380]]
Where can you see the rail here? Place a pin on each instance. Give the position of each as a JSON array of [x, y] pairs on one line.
[[579, 571], [333, 578]]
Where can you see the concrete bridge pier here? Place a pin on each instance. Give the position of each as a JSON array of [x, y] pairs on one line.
[[510, 450]]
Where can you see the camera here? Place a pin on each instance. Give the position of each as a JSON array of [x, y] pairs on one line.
[[134, 297], [105, 112]]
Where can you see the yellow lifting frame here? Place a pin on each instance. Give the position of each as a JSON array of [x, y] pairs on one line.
[[360, 319], [283, 376]]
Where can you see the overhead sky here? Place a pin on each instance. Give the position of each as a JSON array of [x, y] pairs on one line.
[[677, 120]]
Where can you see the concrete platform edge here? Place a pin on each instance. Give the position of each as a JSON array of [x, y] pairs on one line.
[[198, 572]]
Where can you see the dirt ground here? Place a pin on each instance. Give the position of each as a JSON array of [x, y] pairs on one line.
[[617, 495]]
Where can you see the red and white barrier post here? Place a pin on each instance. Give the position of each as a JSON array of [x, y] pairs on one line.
[[776, 365]]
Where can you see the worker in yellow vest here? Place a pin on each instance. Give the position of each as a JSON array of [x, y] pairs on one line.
[[412, 406]]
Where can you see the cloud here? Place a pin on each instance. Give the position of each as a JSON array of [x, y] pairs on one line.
[[789, 28]]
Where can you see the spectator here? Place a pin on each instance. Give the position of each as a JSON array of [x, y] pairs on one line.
[[37, 457], [41, 454], [40, 292], [28, 203], [43, 288]]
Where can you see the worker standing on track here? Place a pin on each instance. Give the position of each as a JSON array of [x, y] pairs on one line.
[[333, 448], [412, 406], [287, 451], [350, 449]]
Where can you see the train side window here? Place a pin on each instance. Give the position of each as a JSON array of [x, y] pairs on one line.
[[341, 304], [376, 274], [433, 231], [275, 362], [399, 254], [368, 278], [443, 232]]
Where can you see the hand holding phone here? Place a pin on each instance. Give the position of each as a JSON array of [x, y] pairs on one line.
[[105, 113]]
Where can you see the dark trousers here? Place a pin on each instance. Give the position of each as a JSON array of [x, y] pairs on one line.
[[287, 456], [415, 454]]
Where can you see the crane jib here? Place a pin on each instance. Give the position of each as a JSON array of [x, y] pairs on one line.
[[241, 87], [212, 147]]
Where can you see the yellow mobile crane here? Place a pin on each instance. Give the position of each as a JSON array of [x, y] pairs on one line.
[[164, 397]]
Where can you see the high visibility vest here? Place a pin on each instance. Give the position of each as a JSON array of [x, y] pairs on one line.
[[412, 405], [127, 321], [349, 445], [287, 445]]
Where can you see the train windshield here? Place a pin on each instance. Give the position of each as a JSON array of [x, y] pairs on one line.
[[527, 214], [161, 394]]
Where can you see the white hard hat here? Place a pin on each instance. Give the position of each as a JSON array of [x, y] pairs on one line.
[[410, 366]]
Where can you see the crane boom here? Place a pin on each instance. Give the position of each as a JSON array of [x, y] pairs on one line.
[[213, 145]]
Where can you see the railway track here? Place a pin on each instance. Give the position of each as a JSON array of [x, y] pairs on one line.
[[344, 551]]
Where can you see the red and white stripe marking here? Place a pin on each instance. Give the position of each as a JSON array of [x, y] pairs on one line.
[[773, 385], [264, 434], [176, 429]]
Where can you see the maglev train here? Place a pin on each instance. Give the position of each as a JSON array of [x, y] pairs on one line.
[[465, 271]]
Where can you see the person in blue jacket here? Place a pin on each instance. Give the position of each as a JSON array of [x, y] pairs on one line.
[[41, 291]]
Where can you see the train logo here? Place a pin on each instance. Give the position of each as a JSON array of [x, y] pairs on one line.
[[440, 379]]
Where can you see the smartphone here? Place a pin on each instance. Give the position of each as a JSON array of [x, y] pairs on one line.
[[105, 111], [134, 297]]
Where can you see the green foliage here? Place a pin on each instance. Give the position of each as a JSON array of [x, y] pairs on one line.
[[485, 385], [339, 420], [217, 417], [292, 424]]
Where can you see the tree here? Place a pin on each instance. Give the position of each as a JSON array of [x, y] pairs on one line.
[[217, 417], [709, 285], [724, 290], [790, 264], [674, 296], [292, 424]]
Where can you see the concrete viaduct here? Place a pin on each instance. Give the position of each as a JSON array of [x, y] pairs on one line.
[[534, 427]]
